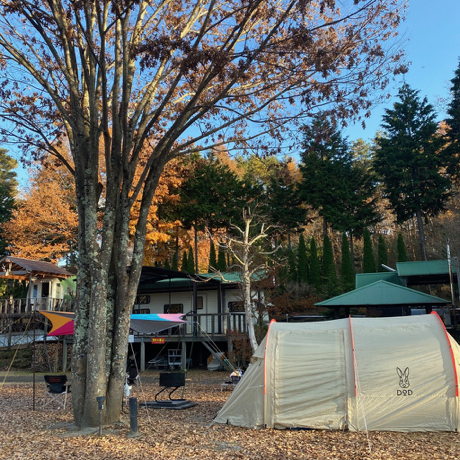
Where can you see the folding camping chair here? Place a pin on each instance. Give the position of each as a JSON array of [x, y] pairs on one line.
[[57, 389]]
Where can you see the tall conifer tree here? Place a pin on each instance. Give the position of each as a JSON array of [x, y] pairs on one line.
[[191, 262], [368, 253], [402, 251], [212, 257], [453, 125], [382, 254], [409, 161], [292, 266], [315, 270], [347, 271], [302, 260], [184, 263], [175, 262], [221, 261], [329, 270]]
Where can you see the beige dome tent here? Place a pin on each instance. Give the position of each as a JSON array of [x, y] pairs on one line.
[[396, 374]]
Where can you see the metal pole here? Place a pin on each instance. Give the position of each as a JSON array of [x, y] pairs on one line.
[[33, 363], [454, 319], [100, 405], [133, 416]]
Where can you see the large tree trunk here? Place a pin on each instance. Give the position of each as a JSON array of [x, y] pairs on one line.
[[109, 269]]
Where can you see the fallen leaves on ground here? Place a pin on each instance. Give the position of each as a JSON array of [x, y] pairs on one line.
[[188, 434]]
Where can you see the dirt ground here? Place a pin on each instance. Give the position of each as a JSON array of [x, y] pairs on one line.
[[188, 434]]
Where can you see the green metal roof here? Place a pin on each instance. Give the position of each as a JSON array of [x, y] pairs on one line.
[[426, 267], [383, 293], [363, 279], [202, 280], [426, 272]]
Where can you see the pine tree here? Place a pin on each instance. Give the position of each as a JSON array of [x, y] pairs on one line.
[[409, 162], [315, 270], [329, 271], [368, 253], [382, 254], [292, 266], [452, 136], [347, 271], [402, 252], [336, 184], [190, 262], [221, 261], [212, 257], [302, 261]]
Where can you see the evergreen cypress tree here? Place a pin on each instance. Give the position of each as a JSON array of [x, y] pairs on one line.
[[221, 262], [382, 254], [184, 263], [190, 262], [302, 261], [292, 266], [315, 271], [212, 257], [347, 272], [402, 252], [329, 271], [175, 262], [452, 150], [167, 266], [368, 253]]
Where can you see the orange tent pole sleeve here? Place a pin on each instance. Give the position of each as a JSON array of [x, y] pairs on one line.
[[451, 351]]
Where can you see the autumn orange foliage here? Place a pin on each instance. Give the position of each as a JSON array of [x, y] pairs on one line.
[[45, 223]]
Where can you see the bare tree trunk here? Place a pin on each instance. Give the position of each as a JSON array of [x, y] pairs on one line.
[[247, 284]]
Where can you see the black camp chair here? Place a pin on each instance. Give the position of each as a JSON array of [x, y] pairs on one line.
[[57, 389]]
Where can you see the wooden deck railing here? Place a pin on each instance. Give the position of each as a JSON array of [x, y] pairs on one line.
[[209, 324], [20, 306], [198, 325]]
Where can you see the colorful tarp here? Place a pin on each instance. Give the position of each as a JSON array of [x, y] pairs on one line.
[[63, 322]]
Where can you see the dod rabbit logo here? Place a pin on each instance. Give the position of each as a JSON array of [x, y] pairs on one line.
[[403, 382]]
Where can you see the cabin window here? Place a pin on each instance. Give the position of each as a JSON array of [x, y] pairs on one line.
[[142, 300], [236, 307], [199, 303], [173, 308]]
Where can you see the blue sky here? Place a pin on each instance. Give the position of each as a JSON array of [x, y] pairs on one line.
[[432, 30]]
